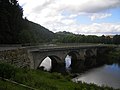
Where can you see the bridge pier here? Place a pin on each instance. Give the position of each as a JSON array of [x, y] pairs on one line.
[[90, 57], [101, 55], [57, 66], [77, 60], [78, 66]]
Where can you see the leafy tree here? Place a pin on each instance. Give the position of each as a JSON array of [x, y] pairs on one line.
[[10, 21], [102, 39], [108, 40], [116, 39]]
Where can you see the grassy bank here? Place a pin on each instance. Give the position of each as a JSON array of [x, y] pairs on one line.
[[5, 85], [40, 80]]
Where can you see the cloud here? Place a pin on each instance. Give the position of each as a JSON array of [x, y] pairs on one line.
[[72, 6], [61, 15], [95, 28], [87, 6], [100, 16], [101, 28]]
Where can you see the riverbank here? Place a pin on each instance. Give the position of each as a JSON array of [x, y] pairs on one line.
[[40, 80], [113, 56]]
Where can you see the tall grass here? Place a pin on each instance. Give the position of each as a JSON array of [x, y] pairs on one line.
[[41, 80]]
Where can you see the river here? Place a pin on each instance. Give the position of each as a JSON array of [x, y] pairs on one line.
[[107, 75]]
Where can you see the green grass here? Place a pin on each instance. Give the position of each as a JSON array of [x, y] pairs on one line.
[[41, 80], [4, 85]]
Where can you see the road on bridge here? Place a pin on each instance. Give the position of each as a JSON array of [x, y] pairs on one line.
[[50, 46]]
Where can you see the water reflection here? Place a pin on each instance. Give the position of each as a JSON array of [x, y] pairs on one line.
[[106, 75]]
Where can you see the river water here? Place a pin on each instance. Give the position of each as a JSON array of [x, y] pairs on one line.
[[107, 75]]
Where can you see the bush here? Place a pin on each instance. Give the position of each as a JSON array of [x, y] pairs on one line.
[[7, 71]]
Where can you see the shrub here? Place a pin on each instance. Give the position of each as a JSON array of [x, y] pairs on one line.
[[7, 71]]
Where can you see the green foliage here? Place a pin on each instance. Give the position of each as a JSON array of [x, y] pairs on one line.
[[56, 76], [10, 21], [7, 71], [4, 85], [15, 29], [26, 36], [113, 57], [44, 81], [67, 37], [116, 39], [34, 33]]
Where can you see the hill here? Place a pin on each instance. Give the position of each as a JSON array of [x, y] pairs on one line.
[[34, 33], [16, 30]]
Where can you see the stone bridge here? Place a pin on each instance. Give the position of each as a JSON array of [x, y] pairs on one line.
[[81, 56]]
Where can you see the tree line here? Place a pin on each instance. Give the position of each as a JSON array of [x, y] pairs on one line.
[[67, 37]]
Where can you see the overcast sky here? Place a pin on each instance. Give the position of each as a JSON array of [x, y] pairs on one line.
[[78, 16]]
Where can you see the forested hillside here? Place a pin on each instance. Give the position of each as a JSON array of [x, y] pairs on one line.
[[34, 33], [10, 21], [16, 30]]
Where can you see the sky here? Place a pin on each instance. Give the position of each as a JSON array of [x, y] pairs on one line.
[[89, 17]]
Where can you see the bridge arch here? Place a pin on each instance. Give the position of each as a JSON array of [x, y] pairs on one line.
[[88, 53], [56, 64], [75, 58], [90, 58]]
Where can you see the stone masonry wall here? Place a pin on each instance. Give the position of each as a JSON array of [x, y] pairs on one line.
[[18, 57]]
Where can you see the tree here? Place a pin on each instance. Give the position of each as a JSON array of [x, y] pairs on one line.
[[116, 39], [108, 40], [10, 21], [102, 39]]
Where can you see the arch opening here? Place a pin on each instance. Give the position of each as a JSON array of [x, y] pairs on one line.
[[52, 64], [46, 64], [72, 61], [68, 63]]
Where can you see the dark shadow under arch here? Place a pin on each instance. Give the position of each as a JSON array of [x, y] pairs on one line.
[[90, 58], [75, 60]]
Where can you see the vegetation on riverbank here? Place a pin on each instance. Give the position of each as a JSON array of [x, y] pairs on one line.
[[4, 85], [114, 56], [40, 80]]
